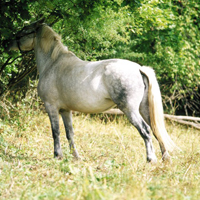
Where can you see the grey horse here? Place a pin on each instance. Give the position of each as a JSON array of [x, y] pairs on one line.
[[67, 83]]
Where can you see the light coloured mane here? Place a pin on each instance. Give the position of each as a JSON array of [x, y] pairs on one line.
[[51, 41]]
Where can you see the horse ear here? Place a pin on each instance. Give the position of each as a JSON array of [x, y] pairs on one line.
[[39, 22]]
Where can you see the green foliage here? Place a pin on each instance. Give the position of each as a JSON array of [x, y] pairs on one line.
[[164, 35]]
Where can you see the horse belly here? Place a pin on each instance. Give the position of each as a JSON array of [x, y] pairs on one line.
[[89, 104], [86, 96]]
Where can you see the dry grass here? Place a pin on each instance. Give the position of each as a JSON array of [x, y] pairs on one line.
[[113, 164]]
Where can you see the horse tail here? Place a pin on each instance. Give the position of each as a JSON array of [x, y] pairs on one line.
[[156, 112]]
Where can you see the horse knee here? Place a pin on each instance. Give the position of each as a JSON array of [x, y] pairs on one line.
[[145, 131]]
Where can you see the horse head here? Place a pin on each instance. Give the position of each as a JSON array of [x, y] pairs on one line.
[[24, 39]]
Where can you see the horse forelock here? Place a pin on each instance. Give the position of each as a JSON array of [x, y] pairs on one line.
[[51, 41]]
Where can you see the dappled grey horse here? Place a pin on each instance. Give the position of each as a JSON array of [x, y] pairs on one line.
[[68, 83]]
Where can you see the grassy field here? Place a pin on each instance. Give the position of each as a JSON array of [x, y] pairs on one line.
[[113, 164]]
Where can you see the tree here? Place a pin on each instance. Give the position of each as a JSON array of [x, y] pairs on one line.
[[163, 35]]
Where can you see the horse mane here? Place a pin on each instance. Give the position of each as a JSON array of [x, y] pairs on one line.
[[51, 41]]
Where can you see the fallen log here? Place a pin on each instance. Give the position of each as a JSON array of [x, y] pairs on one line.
[[182, 117], [114, 112], [195, 125], [186, 120]]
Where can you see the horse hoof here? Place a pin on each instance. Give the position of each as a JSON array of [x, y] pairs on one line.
[[152, 160], [58, 156], [76, 157], [75, 154], [166, 157]]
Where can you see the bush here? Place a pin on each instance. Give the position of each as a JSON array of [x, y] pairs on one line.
[[163, 35]]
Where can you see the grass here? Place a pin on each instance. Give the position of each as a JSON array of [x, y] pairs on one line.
[[113, 164]]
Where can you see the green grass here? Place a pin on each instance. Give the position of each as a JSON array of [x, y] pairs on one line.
[[113, 164]]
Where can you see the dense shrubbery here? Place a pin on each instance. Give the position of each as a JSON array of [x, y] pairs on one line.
[[164, 35]]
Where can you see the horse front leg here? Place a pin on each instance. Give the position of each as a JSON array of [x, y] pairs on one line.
[[67, 119], [54, 119]]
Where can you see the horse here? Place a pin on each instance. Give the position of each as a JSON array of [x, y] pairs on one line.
[[67, 83]]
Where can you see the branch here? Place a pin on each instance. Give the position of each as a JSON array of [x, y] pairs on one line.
[[173, 117], [4, 65], [178, 119], [195, 125], [15, 81], [114, 112], [8, 63]]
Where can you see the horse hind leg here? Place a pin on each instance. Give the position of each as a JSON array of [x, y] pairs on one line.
[[128, 98], [67, 119], [136, 120]]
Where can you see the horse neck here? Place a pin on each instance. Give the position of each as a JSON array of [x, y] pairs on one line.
[[43, 60]]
